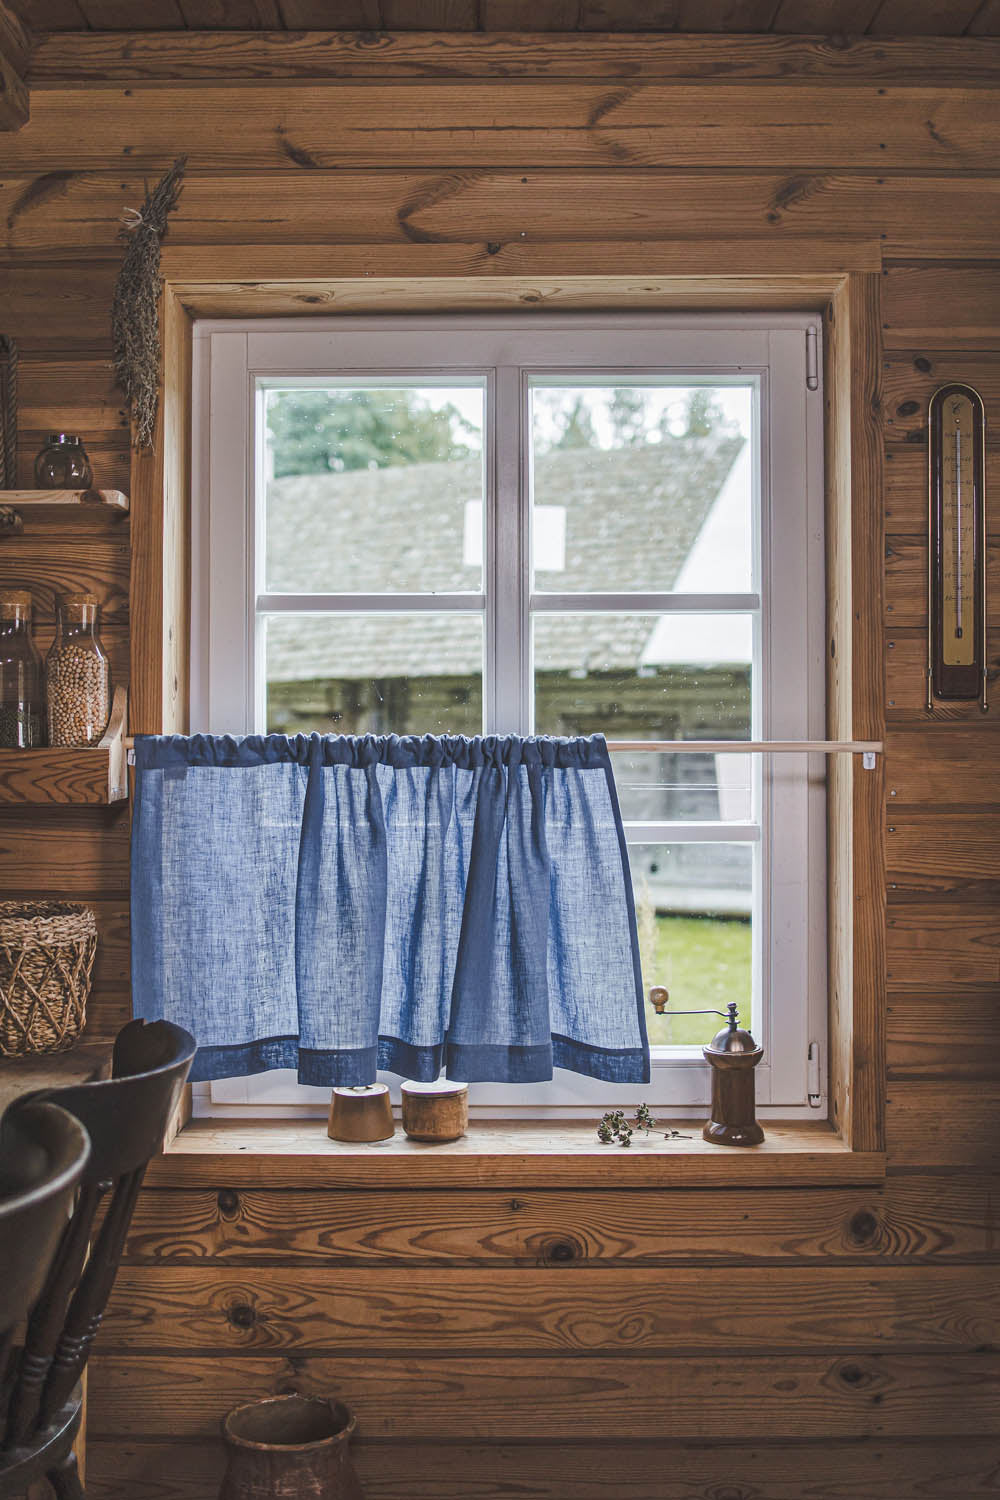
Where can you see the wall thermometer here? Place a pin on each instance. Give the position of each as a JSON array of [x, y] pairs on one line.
[[956, 584]]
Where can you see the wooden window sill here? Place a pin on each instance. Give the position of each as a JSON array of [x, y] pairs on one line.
[[504, 1154]]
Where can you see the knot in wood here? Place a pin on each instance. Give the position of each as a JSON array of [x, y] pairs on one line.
[[863, 1227], [242, 1315], [854, 1375], [562, 1251], [229, 1202]]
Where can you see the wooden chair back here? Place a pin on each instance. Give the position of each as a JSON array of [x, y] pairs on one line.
[[43, 1152], [125, 1117]]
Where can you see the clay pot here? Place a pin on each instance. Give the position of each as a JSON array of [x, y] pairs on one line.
[[290, 1448]]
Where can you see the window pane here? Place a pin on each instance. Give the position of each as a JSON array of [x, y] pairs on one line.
[[653, 677], [374, 489], [374, 674], [642, 486], [693, 906]]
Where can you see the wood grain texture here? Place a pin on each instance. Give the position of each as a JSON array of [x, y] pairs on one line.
[[511, 123], [816, 53], [14, 50], [943, 1126], [585, 1311], [911, 1470], [949, 853], [475, 207], [941, 943], [563, 1229], [505, 1400], [74, 852], [942, 307], [939, 1033], [501, 1154], [960, 768]]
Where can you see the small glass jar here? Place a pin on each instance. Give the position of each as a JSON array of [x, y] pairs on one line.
[[77, 676], [22, 702], [63, 464]]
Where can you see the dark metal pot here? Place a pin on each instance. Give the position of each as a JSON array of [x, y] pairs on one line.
[[290, 1448]]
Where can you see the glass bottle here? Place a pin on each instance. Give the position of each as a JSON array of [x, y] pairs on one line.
[[22, 702], [77, 677], [63, 464]]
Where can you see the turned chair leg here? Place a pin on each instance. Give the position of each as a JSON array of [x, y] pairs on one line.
[[65, 1480]]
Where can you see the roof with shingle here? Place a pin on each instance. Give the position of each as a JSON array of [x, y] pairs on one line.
[[632, 517]]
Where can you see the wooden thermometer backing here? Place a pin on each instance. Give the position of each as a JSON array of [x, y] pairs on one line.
[[956, 619]]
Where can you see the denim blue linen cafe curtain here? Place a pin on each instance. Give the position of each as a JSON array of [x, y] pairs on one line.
[[340, 905]]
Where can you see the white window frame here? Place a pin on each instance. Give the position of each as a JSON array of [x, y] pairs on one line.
[[787, 597]]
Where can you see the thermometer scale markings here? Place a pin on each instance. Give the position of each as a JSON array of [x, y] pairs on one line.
[[958, 643]]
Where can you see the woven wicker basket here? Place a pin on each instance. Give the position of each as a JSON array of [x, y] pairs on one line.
[[46, 961]]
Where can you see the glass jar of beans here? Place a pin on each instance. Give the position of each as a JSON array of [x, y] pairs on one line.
[[22, 703], [77, 680]]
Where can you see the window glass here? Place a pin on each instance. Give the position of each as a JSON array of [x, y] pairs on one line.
[[694, 911], [641, 487], [381, 673], [373, 489]]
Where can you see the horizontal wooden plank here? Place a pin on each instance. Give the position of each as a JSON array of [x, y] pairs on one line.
[[519, 1155], [909, 381], [506, 1400], [943, 1126], [290, 1227], [57, 308], [906, 682], [509, 123], [41, 562], [65, 851], [906, 489], [936, 1033], [943, 944], [959, 767], [42, 211], [956, 853], [914, 1470], [83, 388], [906, 582], [48, 776], [59, 58], [395, 1310], [941, 306]]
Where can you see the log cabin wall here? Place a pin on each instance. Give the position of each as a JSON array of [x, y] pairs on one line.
[[698, 1344]]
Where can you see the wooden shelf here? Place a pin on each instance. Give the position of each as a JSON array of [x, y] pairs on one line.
[[88, 776], [15, 505]]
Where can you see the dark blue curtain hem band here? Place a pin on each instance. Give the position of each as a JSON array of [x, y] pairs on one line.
[[476, 1064], [175, 751]]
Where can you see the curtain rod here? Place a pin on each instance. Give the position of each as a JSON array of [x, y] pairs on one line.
[[867, 749]]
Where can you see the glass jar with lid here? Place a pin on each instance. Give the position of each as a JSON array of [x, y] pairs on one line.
[[22, 703], [63, 464], [77, 675]]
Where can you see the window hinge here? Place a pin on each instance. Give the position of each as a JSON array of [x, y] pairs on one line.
[[812, 360], [812, 1081]]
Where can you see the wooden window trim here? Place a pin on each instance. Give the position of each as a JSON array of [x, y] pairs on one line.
[[326, 279]]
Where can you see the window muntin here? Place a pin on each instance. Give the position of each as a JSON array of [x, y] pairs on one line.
[[718, 635]]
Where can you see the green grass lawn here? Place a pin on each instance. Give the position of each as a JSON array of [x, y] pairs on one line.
[[704, 962]]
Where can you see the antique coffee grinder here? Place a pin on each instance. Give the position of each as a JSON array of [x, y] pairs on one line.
[[733, 1054]]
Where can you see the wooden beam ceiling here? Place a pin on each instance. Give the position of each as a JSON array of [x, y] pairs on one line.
[[802, 17]]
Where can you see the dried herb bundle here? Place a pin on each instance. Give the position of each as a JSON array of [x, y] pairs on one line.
[[135, 324]]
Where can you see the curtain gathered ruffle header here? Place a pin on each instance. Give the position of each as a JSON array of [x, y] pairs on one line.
[[341, 904]]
